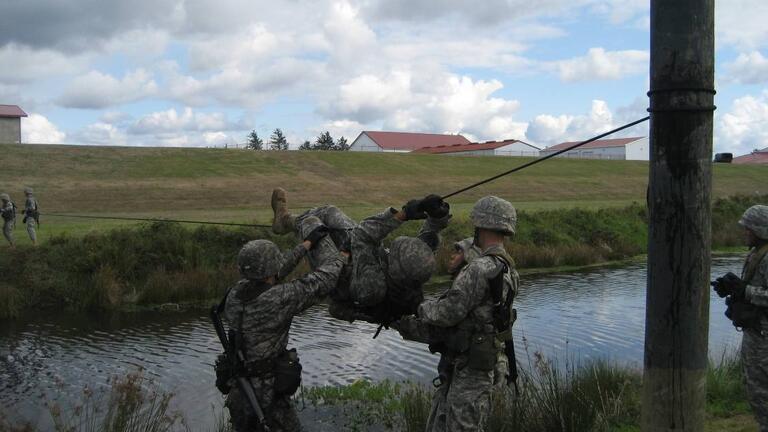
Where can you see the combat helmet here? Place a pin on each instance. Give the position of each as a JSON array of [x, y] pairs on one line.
[[28, 191], [756, 220], [494, 213], [4, 196], [259, 259], [410, 259]]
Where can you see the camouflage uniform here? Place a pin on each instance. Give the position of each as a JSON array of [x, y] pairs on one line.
[[264, 314], [754, 343], [30, 213], [376, 274], [459, 318], [8, 216]]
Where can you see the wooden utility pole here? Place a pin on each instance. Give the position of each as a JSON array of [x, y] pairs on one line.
[[680, 183]]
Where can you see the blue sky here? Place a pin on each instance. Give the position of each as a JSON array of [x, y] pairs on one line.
[[204, 73]]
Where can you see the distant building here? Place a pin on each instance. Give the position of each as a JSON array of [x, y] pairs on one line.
[[488, 148], [402, 141], [756, 157], [635, 148], [10, 124]]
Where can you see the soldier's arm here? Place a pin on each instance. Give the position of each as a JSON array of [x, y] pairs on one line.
[[292, 258], [296, 296], [757, 291], [414, 329], [430, 230], [455, 304]]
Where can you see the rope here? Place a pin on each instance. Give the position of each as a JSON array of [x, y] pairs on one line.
[[543, 158], [155, 220]]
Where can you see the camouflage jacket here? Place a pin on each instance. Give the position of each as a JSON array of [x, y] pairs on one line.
[[368, 281], [757, 285], [30, 205], [7, 211], [468, 305], [265, 316]]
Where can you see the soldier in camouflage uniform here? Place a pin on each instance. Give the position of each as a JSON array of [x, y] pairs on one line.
[[752, 289], [261, 308], [8, 213], [31, 215], [461, 324], [381, 284]]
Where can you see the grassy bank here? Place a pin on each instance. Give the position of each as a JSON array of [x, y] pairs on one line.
[[592, 397], [235, 185], [168, 263]]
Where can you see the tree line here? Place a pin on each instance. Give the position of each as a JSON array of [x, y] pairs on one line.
[[277, 141]]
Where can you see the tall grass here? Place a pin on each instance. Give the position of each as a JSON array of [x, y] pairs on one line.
[[165, 262]]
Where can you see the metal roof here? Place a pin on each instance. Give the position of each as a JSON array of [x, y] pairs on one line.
[[11, 111], [412, 141], [457, 148]]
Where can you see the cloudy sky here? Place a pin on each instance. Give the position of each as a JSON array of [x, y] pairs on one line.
[[204, 73]]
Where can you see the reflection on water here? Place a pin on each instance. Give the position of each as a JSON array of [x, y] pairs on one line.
[[578, 315]]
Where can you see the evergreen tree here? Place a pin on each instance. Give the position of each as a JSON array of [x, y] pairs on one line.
[[341, 144], [306, 146], [324, 142], [277, 141], [254, 142]]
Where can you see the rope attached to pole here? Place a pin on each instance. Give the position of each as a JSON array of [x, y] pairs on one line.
[[155, 220], [542, 159]]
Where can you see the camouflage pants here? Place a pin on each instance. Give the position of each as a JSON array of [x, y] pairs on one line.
[[31, 229], [279, 411], [8, 230], [754, 354], [462, 402]]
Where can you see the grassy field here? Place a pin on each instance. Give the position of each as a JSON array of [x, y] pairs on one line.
[[235, 185]]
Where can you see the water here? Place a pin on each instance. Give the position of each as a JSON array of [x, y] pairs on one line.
[[577, 316]]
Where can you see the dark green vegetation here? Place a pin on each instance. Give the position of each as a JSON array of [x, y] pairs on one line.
[[594, 397], [167, 263]]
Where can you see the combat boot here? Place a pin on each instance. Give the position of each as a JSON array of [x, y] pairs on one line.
[[283, 222]]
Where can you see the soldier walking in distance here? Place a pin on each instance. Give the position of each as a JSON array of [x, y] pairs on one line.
[[470, 323], [260, 310], [747, 300], [381, 284], [8, 213], [31, 215]]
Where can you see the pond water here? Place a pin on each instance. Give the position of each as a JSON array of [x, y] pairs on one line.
[[584, 315]]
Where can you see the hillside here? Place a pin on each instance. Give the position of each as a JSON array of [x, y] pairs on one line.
[[220, 184]]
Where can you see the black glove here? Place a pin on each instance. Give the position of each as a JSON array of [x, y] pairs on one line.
[[435, 207], [346, 244], [729, 285], [413, 210], [316, 235]]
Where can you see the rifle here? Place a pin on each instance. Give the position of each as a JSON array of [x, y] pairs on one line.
[[236, 356]]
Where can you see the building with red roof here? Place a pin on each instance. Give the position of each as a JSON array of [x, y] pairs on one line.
[[10, 124], [509, 147], [634, 148], [374, 141], [756, 157]]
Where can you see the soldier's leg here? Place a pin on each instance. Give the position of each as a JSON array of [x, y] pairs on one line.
[[31, 225], [754, 352], [240, 413], [324, 250], [438, 412], [468, 400], [283, 416], [8, 232]]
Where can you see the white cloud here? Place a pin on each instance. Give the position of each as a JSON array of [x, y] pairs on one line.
[[100, 134], [741, 23], [599, 64], [749, 68], [19, 64], [37, 129], [172, 121], [745, 127], [548, 129], [98, 90]]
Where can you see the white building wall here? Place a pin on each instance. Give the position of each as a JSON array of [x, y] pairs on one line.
[[516, 149], [488, 152], [364, 143], [638, 150], [592, 153]]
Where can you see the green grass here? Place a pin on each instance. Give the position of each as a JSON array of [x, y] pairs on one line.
[[235, 185]]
